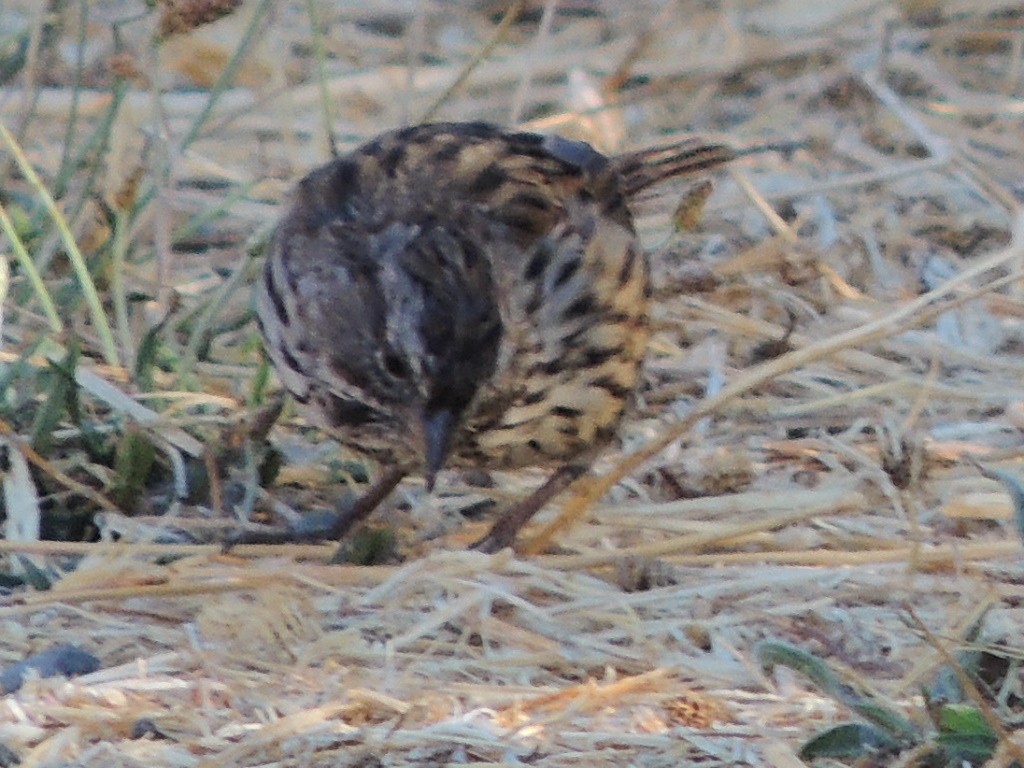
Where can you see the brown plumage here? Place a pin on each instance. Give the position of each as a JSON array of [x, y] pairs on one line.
[[458, 294]]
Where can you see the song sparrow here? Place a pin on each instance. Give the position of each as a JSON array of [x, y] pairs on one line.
[[458, 294]]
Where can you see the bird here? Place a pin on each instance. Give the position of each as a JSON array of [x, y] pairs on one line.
[[466, 295]]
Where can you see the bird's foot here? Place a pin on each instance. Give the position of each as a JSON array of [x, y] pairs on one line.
[[323, 525]]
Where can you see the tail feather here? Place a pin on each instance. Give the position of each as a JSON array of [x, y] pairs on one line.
[[646, 167]]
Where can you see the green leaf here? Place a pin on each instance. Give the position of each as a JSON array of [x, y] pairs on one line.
[[369, 546], [258, 388], [1014, 486], [849, 740], [133, 462], [965, 734], [772, 653], [60, 399], [35, 577], [269, 467], [146, 358], [963, 719], [973, 748]]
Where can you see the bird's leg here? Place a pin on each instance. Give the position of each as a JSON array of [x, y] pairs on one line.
[[331, 526], [366, 503], [504, 531]]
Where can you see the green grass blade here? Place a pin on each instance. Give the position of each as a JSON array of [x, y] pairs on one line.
[[28, 267], [92, 298]]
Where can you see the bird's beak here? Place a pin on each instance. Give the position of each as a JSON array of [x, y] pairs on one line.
[[438, 427]]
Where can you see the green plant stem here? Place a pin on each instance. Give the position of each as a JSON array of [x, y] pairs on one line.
[[320, 55], [500, 31], [227, 75], [119, 295], [76, 92]]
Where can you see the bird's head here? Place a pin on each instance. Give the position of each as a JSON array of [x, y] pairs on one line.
[[440, 330]]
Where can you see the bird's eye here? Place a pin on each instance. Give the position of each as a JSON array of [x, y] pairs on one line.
[[395, 365]]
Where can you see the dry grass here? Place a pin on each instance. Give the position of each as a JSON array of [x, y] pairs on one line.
[[837, 342]]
